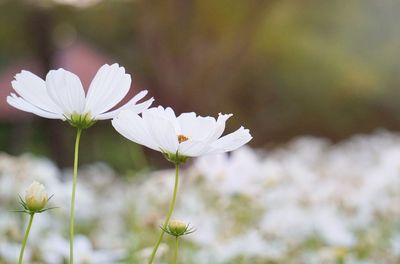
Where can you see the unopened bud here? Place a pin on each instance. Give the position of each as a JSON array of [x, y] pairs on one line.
[[36, 197], [177, 227]]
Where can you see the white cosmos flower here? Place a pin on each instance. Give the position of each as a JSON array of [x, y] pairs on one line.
[[61, 95], [187, 135]]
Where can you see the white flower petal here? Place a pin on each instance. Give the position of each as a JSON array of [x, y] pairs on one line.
[[192, 148], [137, 108], [139, 96], [168, 114], [159, 110], [220, 126], [197, 127], [33, 90], [22, 104], [134, 128], [231, 141], [109, 86], [66, 90], [162, 130]]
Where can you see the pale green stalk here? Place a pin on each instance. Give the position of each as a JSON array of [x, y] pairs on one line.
[[171, 209], [176, 250], [21, 254], [71, 226]]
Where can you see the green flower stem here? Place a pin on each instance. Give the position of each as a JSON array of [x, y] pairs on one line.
[[71, 226], [171, 209], [21, 254], [176, 250]]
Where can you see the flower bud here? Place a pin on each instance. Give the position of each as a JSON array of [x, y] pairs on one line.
[[177, 227], [36, 198]]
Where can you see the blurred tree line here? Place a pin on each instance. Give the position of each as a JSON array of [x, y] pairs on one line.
[[284, 68]]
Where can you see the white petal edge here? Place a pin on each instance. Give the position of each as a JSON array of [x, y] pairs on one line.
[[22, 104], [231, 141], [166, 113], [109, 86], [192, 148], [162, 130], [33, 90], [138, 108], [132, 126], [66, 90], [220, 126]]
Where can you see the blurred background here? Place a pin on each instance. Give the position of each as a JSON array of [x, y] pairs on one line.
[[316, 82], [284, 68]]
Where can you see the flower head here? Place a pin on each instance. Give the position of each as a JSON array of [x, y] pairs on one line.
[[61, 95], [36, 197], [187, 135]]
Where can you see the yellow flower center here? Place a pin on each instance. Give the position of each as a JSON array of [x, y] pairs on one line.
[[182, 138]]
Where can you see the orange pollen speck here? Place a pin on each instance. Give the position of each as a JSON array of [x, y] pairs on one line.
[[182, 138]]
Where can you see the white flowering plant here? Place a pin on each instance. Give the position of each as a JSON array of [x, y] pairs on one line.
[[35, 202], [62, 96], [309, 202], [178, 138], [306, 202]]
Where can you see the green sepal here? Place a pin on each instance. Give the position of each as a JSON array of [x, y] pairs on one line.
[[175, 158], [81, 121], [26, 210], [188, 230]]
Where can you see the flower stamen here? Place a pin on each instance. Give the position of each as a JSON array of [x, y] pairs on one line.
[[182, 138]]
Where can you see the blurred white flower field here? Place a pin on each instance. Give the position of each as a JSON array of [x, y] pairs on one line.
[[306, 202]]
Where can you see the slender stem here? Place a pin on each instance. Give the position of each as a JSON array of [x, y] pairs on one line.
[[176, 250], [71, 226], [21, 254], [171, 209]]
